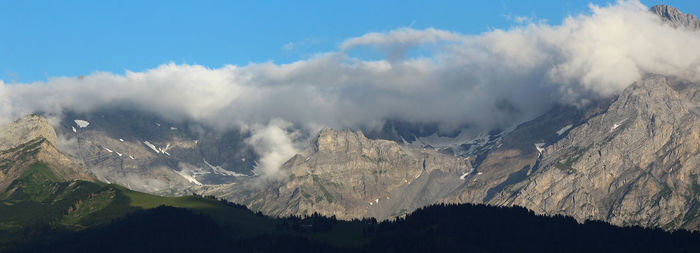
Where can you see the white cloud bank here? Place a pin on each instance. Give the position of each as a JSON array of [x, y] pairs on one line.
[[493, 79]]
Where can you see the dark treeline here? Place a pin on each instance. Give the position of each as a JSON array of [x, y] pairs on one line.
[[169, 229], [440, 228], [480, 228]]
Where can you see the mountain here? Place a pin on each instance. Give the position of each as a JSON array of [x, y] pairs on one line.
[[42, 190], [149, 153], [345, 174], [633, 164], [27, 146], [56, 205], [676, 18], [629, 159]]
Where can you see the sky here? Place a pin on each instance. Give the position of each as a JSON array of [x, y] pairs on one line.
[[45, 39]]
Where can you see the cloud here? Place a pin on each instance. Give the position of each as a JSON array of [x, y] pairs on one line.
[[396, 43], [275, 145], [304, 44], [289, 46], [494, 79]]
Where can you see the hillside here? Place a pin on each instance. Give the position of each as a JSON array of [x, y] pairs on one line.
[[41, 188], [442, 228]]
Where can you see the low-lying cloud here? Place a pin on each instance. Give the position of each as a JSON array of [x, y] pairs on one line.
[[275, 144], [494, 79]]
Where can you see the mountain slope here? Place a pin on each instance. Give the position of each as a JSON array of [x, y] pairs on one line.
[[345, 174], [676, 18], [149, 153], [31, 142], [42, 188], [635, 164]]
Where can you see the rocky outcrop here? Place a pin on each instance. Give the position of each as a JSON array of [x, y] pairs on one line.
[[148, 153], [344, 174], [635, 164], [676, 18], [24, 130], [30, 141]]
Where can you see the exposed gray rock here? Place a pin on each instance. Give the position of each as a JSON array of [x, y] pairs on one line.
[[635, 164], [676, 18], [345, 174], [29, 141], [148, 153], [24, 130]]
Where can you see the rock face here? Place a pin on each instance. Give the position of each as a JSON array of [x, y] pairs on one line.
[[343, 173], [30, 141], [148, 153], [635, 164], [24, 130], [676, 18]]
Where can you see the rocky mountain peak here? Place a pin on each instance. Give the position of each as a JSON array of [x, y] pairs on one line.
[[345, 174], [330, 140], [26, 129], [28, 145], [675, 17]]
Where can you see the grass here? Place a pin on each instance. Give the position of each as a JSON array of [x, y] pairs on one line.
[[42, 200], [39, 201], [37, 183], [243, 220]]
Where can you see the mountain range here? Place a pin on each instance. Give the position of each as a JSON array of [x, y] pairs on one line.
[[630, 160]]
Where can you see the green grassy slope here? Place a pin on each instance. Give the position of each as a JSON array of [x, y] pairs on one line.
[[38, 202]]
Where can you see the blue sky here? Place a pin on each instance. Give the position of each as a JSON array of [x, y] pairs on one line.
[[42, 39]]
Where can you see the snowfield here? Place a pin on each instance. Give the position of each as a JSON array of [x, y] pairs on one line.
[[81, 123]]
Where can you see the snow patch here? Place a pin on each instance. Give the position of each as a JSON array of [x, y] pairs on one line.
[[539, 147], [464, 175], [122, 140], [189, 178], [173, 128], [221, 171], [445, 142], [564, 129], [376, 201], [157, 124], [132, 158], [109, 150], [74, 130], [119, 154], [616, 125], [81, 123], [150, 145]]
